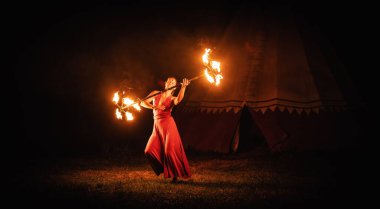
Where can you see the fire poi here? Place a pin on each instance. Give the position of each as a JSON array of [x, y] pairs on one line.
[[126, 104]]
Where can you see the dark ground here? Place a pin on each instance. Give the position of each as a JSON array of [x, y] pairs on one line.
[[256, 179]]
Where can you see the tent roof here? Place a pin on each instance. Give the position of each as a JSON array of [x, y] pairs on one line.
[[270, 61]]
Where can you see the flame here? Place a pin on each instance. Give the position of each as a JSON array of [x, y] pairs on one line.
[[137, 107], [116, 97], [129, 115], [205, 56], [209, 77], [212, 71], [127, 101], [118, 114], [218, 78], [215, 66]]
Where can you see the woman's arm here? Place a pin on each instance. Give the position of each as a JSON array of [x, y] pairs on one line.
[[148, 102], [181, 93]]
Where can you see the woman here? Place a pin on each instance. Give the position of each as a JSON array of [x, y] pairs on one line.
[[164, 149]]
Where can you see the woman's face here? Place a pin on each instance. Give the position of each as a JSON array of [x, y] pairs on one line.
[[170, 82]]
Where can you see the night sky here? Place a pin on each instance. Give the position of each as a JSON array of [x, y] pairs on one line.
[[66, 59]]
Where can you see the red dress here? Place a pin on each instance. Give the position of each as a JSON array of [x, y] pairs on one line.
[[164, 149]]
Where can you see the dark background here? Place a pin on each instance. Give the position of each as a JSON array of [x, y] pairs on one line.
[[65, 60]]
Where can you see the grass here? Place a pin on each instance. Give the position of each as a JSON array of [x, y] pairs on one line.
[[245, 180]]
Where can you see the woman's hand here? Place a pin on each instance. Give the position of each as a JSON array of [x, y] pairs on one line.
[[159, 107], [178, 99], [185, 82]]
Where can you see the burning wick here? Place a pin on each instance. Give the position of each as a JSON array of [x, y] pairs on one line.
[[125, 107]]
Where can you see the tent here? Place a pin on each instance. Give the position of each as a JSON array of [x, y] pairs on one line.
[[282, 85]]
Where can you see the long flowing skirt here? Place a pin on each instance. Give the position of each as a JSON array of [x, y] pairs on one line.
[[164, 150]]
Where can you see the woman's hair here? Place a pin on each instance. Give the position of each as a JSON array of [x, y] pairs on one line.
[[172, 78]]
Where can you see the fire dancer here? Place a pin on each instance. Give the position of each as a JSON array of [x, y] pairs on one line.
[[164, 149]]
